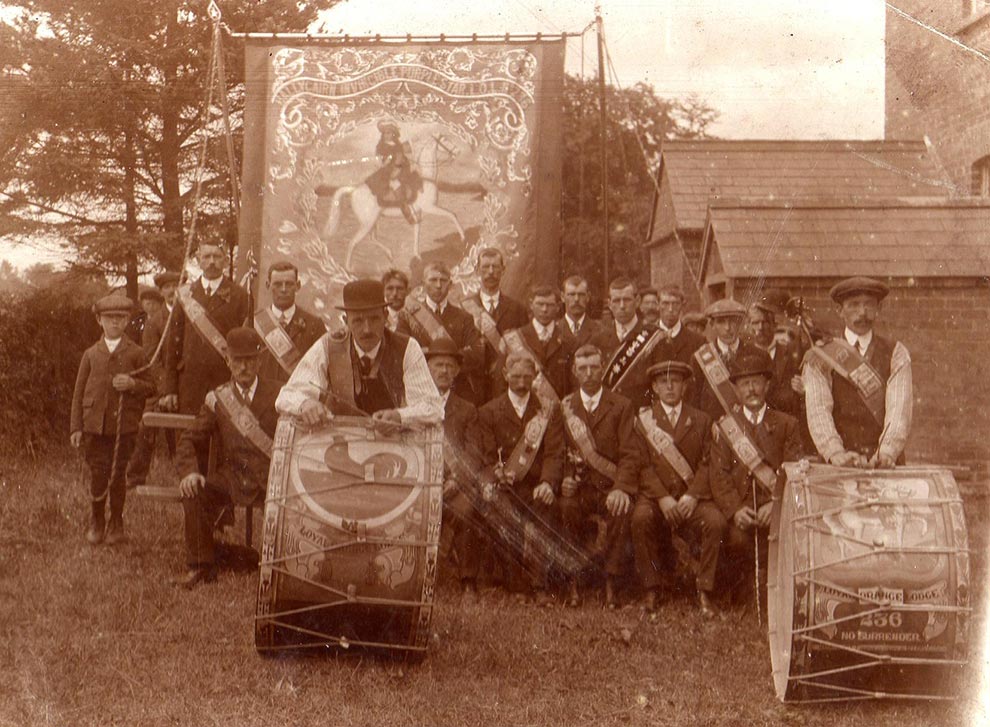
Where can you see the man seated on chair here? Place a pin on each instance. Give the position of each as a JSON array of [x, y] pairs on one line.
[[239, 416], [750, 446]]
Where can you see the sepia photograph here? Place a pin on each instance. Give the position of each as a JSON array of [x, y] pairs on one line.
[[494, 363]]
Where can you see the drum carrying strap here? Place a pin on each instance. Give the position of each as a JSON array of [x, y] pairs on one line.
[[847, 362], [242, 418], [197, 314], [339, 395], [717, 376], [662, 444], [545, 392], [524, 453], [427, 319], [581, 435], [747, 451], [627, 355], [277, 339]]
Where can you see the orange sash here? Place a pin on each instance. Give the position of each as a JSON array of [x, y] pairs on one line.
[[662, 444], [847, 362], [585, 442], [198, 316], [748, 453], [277, 340]]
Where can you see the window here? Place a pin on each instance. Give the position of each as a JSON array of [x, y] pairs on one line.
[[981, 177]]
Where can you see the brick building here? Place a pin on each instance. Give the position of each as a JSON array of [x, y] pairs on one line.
[[936, 88], [934, 253], [693, 173]]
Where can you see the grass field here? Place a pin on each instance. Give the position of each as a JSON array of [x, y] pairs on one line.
[[98, 636]]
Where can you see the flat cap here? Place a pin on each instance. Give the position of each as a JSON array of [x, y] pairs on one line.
[[858, 286], [725, 308], [363, 294], [666, 368], [167, 278], [751, 363], [153, 293], [243, 341], [443, 346], [113, 303]]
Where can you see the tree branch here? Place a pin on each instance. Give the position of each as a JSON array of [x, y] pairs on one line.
[[20, 199]]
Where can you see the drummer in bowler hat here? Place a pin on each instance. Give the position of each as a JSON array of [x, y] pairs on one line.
[[377, 372], [747, 505], [846, 430]]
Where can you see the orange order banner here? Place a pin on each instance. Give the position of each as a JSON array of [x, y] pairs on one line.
[[377, 155]]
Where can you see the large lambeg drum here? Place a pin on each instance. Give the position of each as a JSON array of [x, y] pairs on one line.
[[868, 584], [352, 526]]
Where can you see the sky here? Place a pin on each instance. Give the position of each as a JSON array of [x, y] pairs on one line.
[[774, 69]]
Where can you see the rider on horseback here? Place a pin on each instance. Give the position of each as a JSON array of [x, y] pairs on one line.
[[395, 184]]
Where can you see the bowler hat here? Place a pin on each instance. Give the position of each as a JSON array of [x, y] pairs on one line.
[[666, 368], [364, 294], [751, 363], [152, 293], [443, 346], [725, 308], [858, 286], [773, 300], [113, 303], [167, 278], [243, 341]]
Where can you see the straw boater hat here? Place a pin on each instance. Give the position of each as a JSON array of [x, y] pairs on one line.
[[858, 286], [113, 303], [443, 346], [751, 363], [725, 308], [364, 294], [666, 368], [243, 341]]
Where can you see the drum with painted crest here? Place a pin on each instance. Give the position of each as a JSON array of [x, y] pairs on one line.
[[868, 584], [351, 532]]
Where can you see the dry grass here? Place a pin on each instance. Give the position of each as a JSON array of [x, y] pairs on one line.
[[98, 636]]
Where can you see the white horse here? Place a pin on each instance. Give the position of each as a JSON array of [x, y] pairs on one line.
[[365, 205]]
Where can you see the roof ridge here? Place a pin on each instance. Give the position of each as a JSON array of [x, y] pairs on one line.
[[903, 201], [821, 145]]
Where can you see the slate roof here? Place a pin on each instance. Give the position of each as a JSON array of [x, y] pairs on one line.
[[906, 237], [702, 171]]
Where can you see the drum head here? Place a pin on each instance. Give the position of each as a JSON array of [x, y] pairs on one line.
[[780, 594]]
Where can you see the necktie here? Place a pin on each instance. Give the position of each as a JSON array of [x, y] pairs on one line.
[[491, 308], [672, 417], [283, 320], [365, 366], [860, 347]]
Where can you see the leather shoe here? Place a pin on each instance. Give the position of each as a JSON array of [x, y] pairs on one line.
[[115, 533], [94, 535], [611, 603], [542, 599], [194, 576], [469, 593], [708, 608], [573, 597], [653, 600]]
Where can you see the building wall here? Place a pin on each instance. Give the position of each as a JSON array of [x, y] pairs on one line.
[[944, 326], [668, 266], [936, 89]]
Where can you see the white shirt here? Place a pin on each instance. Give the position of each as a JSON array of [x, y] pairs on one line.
[[310, 379], [361, 352], [248, 393], [437, 308], [725, 349], [591, 402], [673, 413], [773, 351], [169, 307], [443, 398], [287, 313], [755, 418], [574, 325], [393, 318], [857, 341], [543, 332], [672, 332], [519, 403], [490, 301], [623, 330], [210, 286], [112, 343]]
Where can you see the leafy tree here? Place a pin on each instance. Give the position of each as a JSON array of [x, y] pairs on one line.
[[103, 120], [638, 122]]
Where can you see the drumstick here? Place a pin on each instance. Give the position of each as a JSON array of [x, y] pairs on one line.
[[756, 551]]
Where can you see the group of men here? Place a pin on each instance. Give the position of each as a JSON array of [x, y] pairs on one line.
[[612, 435]]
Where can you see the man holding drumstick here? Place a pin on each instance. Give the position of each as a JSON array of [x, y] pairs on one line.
[[858, 386]]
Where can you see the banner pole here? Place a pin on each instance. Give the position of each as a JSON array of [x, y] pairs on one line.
[[603, 116]]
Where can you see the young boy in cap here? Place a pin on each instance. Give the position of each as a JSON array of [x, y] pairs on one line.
[[106, 406], [675, 440], [240, 414], [751, 444]]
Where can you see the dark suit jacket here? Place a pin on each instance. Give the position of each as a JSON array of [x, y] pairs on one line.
[[499, 428], [241, 468], [701, 395], [679, 348], [590, 328], [693, 437], [510, 314], [611, 427], [95, 401], [154, 329], [460, 429], [304, 329], [608, 342], [192, 366], [778, 438], [554, 356], [780, 395], [471, 383]]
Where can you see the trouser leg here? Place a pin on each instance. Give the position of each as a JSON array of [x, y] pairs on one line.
[[98, 451], [651, 542], [140, 460], [709, 525], [118, 486], [466, 543], [200, 517]]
